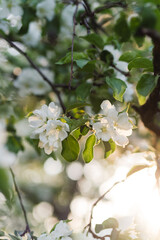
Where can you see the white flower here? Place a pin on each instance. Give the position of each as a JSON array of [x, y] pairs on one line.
[[33, 36], [50, 130], [112, 125], [30, 82], [61, 231], [56, 129], [122, 128], [102, 129], [15, 21], [109, 110], [45, 9], [8, 7]]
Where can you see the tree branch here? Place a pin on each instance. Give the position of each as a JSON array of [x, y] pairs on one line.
[[110, 5], [72, 47], [27, 229], [37, 69]]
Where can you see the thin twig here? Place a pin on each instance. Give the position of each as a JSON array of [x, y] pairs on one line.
[[127, 74], [37, 69], [27, 229], [89, 225], [72, 47], [90, 14]]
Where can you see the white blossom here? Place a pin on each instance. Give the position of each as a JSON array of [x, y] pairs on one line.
[[109, 110], [45, 9], [102, 129], [30, 82], [112, 125], [50, 130], [8, 7], [61, 231], [15, 21], [33, 36]]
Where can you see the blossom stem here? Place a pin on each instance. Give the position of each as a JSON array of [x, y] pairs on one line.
[[27, 229]]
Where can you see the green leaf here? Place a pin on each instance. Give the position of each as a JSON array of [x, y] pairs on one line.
[[76, 105], [134, 24], [4, 183], [76, 56], [83, 91], [14, 144], [145, 86], [70, 149], [141, 99], [122, 29], [95, 39], [110, 147], [109, 223], [13, 237], [82, 62], [118, 87], [136, 169], [107, 57], [79, 132], [2, 234], [76, 123], [140, 62], [128, 56], [88, 150], [84, 130]]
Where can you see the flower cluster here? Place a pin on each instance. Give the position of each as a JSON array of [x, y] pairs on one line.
[[48, 127], [112, 125], [45, 9], [61, 231], [10, 15], [30, 82]]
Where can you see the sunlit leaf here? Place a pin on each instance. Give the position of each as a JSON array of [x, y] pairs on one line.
[[109, 223], [110, 147], [70, 149], [76, 105], [88, 150], [118, 86], [136, 169]]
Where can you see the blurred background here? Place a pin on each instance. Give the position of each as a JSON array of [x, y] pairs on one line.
[[51, 188]]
